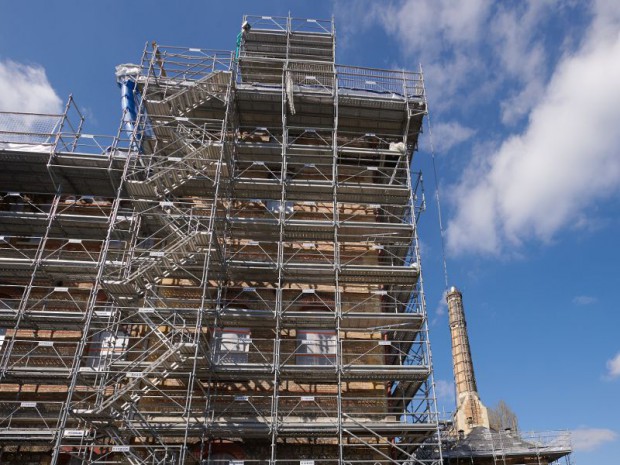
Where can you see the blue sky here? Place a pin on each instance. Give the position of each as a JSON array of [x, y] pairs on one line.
[[525, 109]]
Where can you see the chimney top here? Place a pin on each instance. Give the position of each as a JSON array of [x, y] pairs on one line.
[[452, 290]]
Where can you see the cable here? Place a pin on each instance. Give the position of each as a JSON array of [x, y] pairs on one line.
[[441, 230]]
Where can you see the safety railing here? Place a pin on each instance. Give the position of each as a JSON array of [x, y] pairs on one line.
[[55, 134], [240, 407], [352, 453], [376, 300], [393, 177], [248, 252], [16, 249], [309, 77], [351, 81], [309, 301], [310, 211], [44, 356], [513, 442], [309, 25], [308, 74], [368, 214], [259, 171], [260, 138], [24, 250], [76, 252], [267, 23], [393, 350], [58, 299], [239, 348], [317, 348], [373, 253], [380, 81], [319, 253], [309, 174], [250, 298], [119, 451], [284, 24], [266, 212], [34, 132], [351, 216], [300, 300], [30, 418], [367, 146], [86, 144], [313, 142], [183, 64], [315, 409], [322, 409]]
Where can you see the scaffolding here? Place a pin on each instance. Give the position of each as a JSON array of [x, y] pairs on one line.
[[233, 278], [484, 446]]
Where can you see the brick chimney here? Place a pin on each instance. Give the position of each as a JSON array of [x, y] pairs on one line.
[[470, 411]]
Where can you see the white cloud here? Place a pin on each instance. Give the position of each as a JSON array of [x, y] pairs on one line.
[[442, 305], [444, 390], [441, 309], [520, 103], [25, 88], [450, 134], [428, 24], [442, 34], [613, 366], [588, 439], [521, 54], [470, 50], [567, 158], [480, 57], [584, 300]]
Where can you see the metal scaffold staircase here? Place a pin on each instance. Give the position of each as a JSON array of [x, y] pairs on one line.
[[181, 97], [178, 151], [141, 376], [179, 248], [181, 144], [169, 173]]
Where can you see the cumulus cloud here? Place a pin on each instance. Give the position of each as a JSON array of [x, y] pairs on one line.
[[584, 300], [439, 33], [567, 158], [480, 57], [588, 439], [25, 88], [613, 366], [522, 55], [470, 50], [450, 134]]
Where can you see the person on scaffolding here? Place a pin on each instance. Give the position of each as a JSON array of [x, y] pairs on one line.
[[245, 29]]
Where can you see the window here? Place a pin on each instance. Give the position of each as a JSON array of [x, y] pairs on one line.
[[232, 345], [316, 347], [106, 348], [275, 206]]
